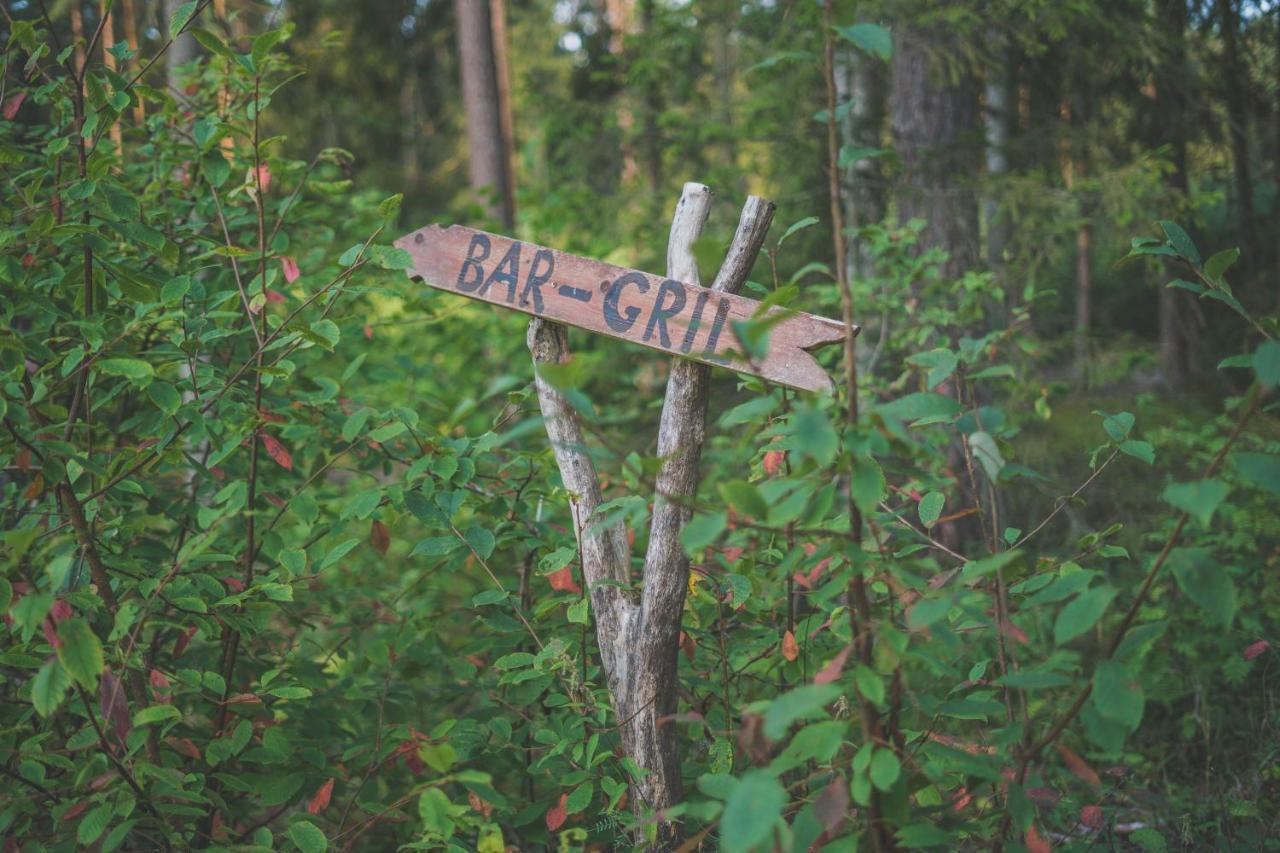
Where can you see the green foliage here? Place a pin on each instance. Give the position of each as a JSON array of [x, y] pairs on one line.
[[286, 560]]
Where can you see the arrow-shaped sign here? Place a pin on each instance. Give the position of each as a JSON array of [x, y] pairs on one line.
[[661, 313]]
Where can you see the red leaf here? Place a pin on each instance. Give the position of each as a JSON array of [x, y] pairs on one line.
[[1035, 841], [244, 699], [1091, 816], [1077, 766], [773, 460], [479, 804], [557, 814], [184, 746], [180, 644], [379, 537], [28, 261], [320, 801], [264, 177], [11, 105], [368, 332], [687, 646], [1255, 649], [51, 633], [113, 703], [961, 799], [790, 650], [562, 581], [61, 610], [275, 297], [290, 268], [75, 811], [160, 684], [831, 671], [276, 451], [832, 804], [234, 584]]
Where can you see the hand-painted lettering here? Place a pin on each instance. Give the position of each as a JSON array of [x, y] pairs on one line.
[[477, 251], [506, 272], [696, 322], [661, 313], [713, 337], [537, 278], [611, 315]]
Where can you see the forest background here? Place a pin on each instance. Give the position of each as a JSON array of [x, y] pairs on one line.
[[287, 560]]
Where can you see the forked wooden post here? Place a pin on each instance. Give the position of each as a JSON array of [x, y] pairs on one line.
[[639, 635]]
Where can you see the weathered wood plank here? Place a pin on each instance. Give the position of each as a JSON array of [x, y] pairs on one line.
[[660, 313]]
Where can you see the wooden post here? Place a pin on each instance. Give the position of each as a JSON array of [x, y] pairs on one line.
[[639, 634]]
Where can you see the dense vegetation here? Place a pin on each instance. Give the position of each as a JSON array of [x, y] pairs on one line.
[[286, 558]]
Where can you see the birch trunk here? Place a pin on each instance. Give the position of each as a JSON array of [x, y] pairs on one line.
[[638, 634]]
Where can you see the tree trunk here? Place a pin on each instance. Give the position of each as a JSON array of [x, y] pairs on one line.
[[181, 53], [931, 118], [109, 60], [638, 636], [1237, 93], [997, 120], [1169, 128], [861, 80], [131, 37], [481, 103], [502, 71]]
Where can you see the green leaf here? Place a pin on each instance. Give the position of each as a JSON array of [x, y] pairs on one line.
[[867, 484], [703, 529], [975, 569], [1259, 469], [920, 406], [80, 652], [1082, 613], [1117, 694], [885, 769], [987, 452], [1206, 582], [308, 837], [871, 38], [354, 423], [930, 508], [1139, 450], [869, 684], [579, 799], [926, 611], [389, 207], [351, 255], [940, 364], [481, 541], [180, 17], [137, 371], [1117, 425], [155, 714], [745, 498], [1220, 262], [48, 687], [337, 553], [387, 432], [1199, 498], [807, 222], [804, 701], [1266, 363], [215, 167], [1180, 242], [813, 434], [753, 809], [93, 824], [576, 613], [165, 396]]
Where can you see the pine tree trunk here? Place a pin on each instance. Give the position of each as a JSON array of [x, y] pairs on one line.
[[1236, 82], [931, 118], [485, 145], [862, 81], [1169, 128]]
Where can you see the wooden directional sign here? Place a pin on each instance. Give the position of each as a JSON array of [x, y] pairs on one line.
[[660, 313]]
